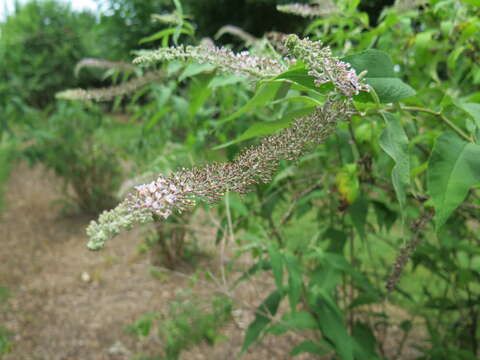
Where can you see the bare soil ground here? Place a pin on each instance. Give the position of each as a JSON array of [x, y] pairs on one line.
[[69, 303]]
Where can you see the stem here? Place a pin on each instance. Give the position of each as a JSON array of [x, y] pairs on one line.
[[401, 345], [441, 116], [231, 238], [374, 95], [274, 230], [352, 290], [356, 145]]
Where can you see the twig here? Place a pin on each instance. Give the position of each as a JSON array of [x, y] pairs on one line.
[[289, 212], [407, 251], [440, 115]]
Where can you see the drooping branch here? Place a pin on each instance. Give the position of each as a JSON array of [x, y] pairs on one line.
[[249, 39], [243, 63], [317, 9], [181, 190], [102, 64], [109, 93], [407, 251]]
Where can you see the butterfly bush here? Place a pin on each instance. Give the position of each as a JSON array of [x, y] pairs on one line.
[[181, 190]]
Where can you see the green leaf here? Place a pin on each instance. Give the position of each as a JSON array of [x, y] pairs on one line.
[[473, 109], [363, 300], [4, 294], [308, 347], [162, 34], [178, 7], [294, 114], [453, 57], [294, 321], [258, 129], [385, 216], [307, 100], [143, 326], [324, 279], [157, 116], [358, 214], [199, 93], [347, 183], [337, 262], [236, 204], [263, 96], [195, 69], [390, 89], [299, 75], [300, 320], [224, 80], [454, 167], [472, 2], [376, 62], [261, 265], [394, 142], [269, 306], [380, 75], [276, 260], [365, 342], [295, 281], [337, 239], [333, 328]]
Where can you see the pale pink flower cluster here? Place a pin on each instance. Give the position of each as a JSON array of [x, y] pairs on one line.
[[325, 67], [306, 11], [107, 94], [341, 74], [161, 195], [243, 63], [322, 65]]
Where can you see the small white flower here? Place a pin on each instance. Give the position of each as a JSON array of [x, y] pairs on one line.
[[152, 188], [170, 198], [156, 205]]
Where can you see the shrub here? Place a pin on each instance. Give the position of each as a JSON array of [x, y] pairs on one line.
[[8, 151], [71, 142], [40, 43]]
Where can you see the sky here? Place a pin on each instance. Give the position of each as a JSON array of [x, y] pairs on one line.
[[6, 6]]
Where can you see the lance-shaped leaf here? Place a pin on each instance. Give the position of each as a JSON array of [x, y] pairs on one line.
[[454, 168], [380, 75], [269, 306], [333, 328], [394, 142]]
